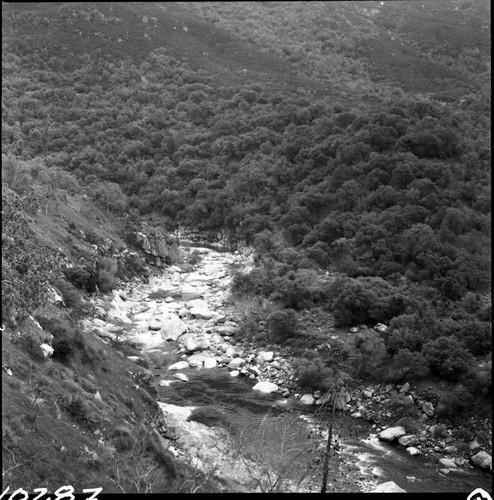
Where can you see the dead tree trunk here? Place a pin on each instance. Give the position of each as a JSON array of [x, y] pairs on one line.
[[327, 454]]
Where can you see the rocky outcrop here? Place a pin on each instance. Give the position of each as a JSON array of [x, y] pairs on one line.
[[154, 243]]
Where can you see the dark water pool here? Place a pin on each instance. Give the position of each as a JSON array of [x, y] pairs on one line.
[[267, 429]]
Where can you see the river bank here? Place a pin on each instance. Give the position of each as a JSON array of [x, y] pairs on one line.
[[186, 325]]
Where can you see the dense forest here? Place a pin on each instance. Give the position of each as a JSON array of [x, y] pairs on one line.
[[351, 139]]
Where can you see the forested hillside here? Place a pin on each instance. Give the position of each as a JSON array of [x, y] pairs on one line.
[[350, 138]]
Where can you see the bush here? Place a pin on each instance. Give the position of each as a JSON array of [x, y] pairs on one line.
[[411, 425], [367, 354], [455, 403], [447, 358], [81, 278], [364, 300], [71, 297], [63, 349], [312, 372], [282, 325], [256, 282], [105, 274], [402, 407]]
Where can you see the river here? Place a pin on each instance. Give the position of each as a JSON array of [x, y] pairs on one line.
[[284, 439]]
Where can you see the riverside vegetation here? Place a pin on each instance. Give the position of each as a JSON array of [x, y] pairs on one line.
[[363, 190]]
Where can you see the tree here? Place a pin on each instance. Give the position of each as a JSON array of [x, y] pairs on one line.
[[110, 195], [406, 363], [446, 357]]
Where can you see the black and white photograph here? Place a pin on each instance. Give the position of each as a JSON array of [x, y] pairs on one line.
[[246, 248]]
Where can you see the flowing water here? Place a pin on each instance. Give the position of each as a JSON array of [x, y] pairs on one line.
[[262, 426], [285, 436]]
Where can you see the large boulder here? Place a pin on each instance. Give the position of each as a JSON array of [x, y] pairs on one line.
[[196, 344], [264, 356], [236, 363], [446, 462], [210, 363], [392, 433], [388, 487], [47, 350], [482, 459], [230, 352], [307, 399], [202, 313], [265, 387], [227, 330], [408, 440], [172, 327], [196, 361], [197, 303], [427, 408]]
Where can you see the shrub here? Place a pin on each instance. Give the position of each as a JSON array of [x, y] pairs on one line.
[[366, 299], [402, 407], [71, 297], [447, 358], [248, 328], [106, 281], [312, 372], [93, 238], [105, 274], [282, 324], [366, 353], [81, 278], [299, 289], [256, 282], [455, 403], [63, 349], [411, 425], [406, 363], [439, 431]]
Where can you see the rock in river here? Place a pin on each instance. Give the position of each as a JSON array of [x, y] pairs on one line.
[[236, 363], [172, 327], [202, 313], [392, 433], [196, 344], [265, 387], [210, 363], [181, 365]]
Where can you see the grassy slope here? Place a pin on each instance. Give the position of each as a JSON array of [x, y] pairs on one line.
[[49, 439]]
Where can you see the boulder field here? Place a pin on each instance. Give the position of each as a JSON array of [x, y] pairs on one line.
[[189, 312]]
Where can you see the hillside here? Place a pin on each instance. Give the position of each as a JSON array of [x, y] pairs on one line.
[[347, 143]]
